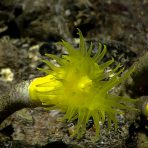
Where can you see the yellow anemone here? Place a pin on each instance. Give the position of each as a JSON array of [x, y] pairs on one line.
[[80, 86]]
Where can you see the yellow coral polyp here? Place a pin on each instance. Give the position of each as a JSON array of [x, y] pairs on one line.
[[80, 86]]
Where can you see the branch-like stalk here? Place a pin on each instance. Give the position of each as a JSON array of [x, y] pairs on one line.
[[16, 99], [138, 86]]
